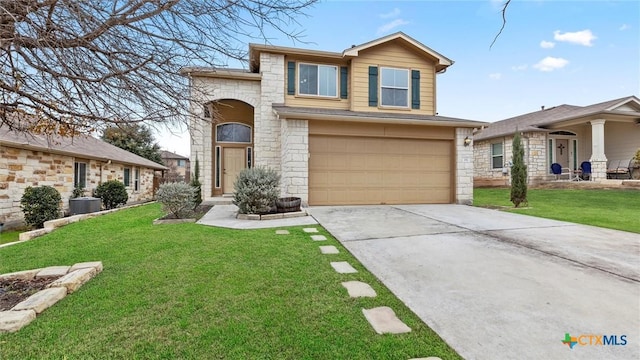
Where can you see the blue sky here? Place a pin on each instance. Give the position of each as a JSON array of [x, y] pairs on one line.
[[550, 52]]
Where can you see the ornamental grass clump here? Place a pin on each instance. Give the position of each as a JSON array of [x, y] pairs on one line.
[[177, 199], [256, 190]]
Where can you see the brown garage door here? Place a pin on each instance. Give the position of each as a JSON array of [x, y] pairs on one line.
[[351, 170]]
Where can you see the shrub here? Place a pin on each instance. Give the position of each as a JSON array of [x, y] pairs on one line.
[[518, 173], [40, 204], [78, 191], [256, 190], [177, 198], [197, 187], [113, 194]]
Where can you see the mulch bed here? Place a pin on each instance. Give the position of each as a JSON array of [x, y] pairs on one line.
[[12, 292], [197, 213]]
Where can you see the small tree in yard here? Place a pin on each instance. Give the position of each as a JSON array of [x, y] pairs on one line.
[[40, 204], [113, 194], [197, 187], [176, 198], [257, 190], [518, 173]]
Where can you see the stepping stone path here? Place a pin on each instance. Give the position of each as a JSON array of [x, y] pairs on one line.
[[385, 321], [282, 232], [343, 267], [359, 289], [310, 230], [72, 277], [330, 249], [318, 237]]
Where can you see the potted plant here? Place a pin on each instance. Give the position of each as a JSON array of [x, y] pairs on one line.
[[288, 204]]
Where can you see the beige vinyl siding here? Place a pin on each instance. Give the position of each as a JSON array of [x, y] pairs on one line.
[[310, 100], [393, 55]]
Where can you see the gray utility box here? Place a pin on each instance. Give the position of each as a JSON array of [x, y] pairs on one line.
[[84, 205]]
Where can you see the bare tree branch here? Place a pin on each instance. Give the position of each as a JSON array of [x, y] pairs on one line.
[[504, 22], [81, 66]]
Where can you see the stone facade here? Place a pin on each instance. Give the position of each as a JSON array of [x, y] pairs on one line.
[[20, 168], [464, 167], [267, 125], [295, 159]]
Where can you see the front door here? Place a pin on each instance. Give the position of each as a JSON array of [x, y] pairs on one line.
[[232, 162], [562, 152]]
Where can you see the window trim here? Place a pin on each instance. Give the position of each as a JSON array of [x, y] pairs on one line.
[[76, 172], [217, 156], [493, 156], [234, 142], [337, 80], [126, 179], [136, 178], [408, 88]]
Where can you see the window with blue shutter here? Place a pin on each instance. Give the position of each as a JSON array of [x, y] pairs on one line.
[[373, 86], [291, 78], [344, 73], [415, 89]]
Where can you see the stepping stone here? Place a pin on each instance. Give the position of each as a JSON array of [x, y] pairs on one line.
[[359, 289], [343, 267], [318, 237], [385, 321], [282, 232], [11, 321], [329, 249], [41, 300], [53, 271], [310, 230]]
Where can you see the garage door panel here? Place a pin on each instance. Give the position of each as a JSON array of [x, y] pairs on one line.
[[359, 170]]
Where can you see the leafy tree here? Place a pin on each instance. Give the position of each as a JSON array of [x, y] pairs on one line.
[[81, 65], [518, 173], [134, 138]]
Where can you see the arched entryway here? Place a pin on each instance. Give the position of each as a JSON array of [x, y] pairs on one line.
[[232, 143]]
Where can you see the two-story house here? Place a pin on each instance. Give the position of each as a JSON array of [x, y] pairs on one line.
[[179, 167], [356, 127]]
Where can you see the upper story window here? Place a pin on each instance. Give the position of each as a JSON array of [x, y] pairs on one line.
[[233, 132], [317, 80], [497, 156], [80, 174], [182, 163], [394, 87]]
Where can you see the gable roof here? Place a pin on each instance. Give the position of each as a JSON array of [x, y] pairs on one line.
[[442, 62], [169, 155], [536, 121], [83, 146]]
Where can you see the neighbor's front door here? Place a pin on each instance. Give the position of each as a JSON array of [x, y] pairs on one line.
[[233, 162]]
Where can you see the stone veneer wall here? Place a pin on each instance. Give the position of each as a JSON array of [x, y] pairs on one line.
[[267, 126], [206, 90], [464, 168], [295, 159], [21, 168], [535, 154]]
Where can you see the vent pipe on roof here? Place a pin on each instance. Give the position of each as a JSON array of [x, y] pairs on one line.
[[542, 107]]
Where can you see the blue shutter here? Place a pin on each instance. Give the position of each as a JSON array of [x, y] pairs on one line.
[[373, 86], [291, 78], [344, 73], [415, 89]]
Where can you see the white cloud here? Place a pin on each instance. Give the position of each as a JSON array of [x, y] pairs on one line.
[[584, 37], [391, 25], [547, 44], [392, 14], [519, 67], [624, 27], [495, 76], [551, 63]]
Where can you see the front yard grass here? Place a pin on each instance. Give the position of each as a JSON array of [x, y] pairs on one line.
[[9, 236], [193, 292], [609, 208]]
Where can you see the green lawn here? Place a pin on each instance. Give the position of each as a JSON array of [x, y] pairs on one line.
[[191, 292], [9, 236], [615, 209]]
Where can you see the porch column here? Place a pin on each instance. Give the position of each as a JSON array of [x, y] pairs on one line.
[[598, 158], [464, 166]]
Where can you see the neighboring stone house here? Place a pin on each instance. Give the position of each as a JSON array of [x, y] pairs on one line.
[[64, 163], [179, 167], [352, 127], [606, 134]]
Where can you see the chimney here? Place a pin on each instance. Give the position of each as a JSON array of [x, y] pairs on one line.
[[542, 107]]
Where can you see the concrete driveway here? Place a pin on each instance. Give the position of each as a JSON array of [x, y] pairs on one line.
[[496, 285]]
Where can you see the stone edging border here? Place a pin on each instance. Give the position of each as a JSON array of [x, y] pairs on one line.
[[286, 215], [25, 312], [51, 225]]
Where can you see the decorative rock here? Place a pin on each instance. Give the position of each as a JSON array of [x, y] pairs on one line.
[[53, 271], [20, 275], [282, 232], [385, 321], [73, 280], [329, 249], [41, 300], [343, 267], [359, 289], [91, 264], [318, 237], [310, 230], [11, 321]]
